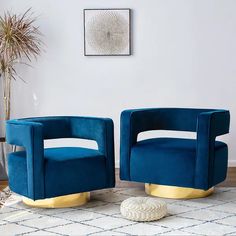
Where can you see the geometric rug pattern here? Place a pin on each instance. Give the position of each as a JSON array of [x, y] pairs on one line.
[[214, 215]]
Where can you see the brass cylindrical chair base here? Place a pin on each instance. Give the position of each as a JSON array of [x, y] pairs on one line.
[[165, 191], [70, 200]]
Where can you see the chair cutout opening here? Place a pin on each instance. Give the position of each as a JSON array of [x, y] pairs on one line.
[[70, 142], [166, 133]]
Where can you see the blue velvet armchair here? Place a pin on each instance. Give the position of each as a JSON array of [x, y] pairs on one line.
[[39, 173], [191, 164]]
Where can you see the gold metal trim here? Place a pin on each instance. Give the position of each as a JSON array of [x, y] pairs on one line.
[[176, 192], [70, 200]]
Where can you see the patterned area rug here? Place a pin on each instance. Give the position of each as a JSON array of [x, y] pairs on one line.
[[4, 195], [215, 215]]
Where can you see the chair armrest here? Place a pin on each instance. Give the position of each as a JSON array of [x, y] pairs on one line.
[[100, 130], [209, 126], [93, 128], [29, 135], [132, 122], [127, 139]]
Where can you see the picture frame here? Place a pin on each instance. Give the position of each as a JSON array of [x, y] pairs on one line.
[[107, 32]]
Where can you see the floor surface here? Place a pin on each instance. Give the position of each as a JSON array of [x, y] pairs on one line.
[[214, 215]]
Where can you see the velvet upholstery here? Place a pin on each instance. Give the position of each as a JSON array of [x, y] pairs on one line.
[[39, 172], [196, 163]]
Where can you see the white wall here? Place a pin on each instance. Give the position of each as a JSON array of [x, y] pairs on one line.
[[184, 55]]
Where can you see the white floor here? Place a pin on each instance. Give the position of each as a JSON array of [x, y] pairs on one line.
[[215, 215]]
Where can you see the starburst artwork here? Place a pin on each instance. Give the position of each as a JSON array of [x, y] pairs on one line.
[[107, 32]]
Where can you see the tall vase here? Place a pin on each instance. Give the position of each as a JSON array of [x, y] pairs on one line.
[[4, 147], [3, 159]]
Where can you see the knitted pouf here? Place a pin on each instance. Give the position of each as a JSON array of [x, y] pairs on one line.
[[143, 209]]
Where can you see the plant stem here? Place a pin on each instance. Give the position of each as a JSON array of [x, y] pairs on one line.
[[7, 94]]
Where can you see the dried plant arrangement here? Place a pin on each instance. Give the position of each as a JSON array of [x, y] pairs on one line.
[[20, 42]]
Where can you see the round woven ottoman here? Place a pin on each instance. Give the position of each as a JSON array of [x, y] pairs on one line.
[[143, 209]]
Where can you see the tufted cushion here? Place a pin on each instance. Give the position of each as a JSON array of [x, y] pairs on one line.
[[143, 209]]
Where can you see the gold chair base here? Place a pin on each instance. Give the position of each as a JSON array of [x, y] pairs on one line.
[[70, 200], [165, 191]]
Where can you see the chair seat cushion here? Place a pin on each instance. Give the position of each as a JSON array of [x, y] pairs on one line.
[[67, 170], [70, 153], [167, 161], [73, 169]]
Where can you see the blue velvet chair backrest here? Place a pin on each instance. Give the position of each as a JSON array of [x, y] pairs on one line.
[[177, 119], [69, 127], [53, 127]]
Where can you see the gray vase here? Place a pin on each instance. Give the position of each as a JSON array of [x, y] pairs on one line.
[[4, 150]]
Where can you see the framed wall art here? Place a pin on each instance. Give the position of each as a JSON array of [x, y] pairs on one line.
[[107, 32]]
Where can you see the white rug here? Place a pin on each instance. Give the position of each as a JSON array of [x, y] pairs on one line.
[[4, 195], [215, 215]]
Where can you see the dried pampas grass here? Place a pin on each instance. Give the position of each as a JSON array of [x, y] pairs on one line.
[[19, 40]]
